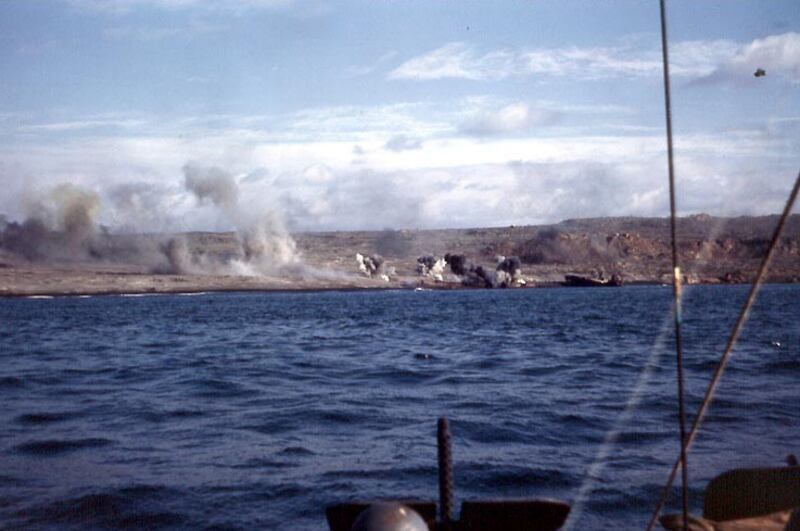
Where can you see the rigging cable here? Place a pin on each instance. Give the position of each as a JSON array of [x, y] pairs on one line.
[[740, 321], [676, 270]]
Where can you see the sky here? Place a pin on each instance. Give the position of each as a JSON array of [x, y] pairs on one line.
[[398, 113]]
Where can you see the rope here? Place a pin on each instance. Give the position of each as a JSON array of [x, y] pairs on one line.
[[740, 321], [676, 280]]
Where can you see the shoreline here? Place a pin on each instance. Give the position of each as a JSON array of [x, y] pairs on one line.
[[444, 286], [635, 249]]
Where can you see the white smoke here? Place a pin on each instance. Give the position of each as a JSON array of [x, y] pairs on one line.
[[264, 243], [374, 267], [429, 266]]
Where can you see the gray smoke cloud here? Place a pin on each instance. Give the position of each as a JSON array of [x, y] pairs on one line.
[[507, 273], [393, 242], [61, 227], [212, 184], [60, 224], [552, 246], [137, 207]]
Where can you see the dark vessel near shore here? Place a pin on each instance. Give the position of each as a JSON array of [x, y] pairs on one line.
[[578, 281]]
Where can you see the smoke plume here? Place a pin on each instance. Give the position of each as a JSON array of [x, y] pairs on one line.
[[508, 272], [393, 243], [212, 184], [430, 266], [61, 227], [374, 266], [264, 244], [551, 246]]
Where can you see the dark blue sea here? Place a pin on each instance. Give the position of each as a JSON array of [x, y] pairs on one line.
[[257, 410]]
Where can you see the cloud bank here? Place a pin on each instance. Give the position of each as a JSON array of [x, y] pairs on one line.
[[474, 159], [145, 184]]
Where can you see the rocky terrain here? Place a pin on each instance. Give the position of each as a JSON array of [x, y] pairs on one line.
[[712, 250]]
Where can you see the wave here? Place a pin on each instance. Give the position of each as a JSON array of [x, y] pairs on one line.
[[59, 446], [43, 418]]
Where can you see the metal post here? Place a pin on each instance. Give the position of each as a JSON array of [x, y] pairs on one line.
[[676, 282], [445, 474]]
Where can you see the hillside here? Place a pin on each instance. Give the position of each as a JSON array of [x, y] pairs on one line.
[[711, 250], [638, 248]]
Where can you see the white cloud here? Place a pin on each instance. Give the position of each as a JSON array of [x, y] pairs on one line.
[[362, 121], [83, 125], [778, 55], [598, 108], [448, 181], [513, 118], [692, 59], [402, 143], [398, 165], [318, 173], [397, 126], [152, 34], [362, 70], [459, 61], [120, 7]]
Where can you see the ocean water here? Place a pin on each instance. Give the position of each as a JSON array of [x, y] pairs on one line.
[[257, 410]]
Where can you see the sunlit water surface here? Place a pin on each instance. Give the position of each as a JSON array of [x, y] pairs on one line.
[[242, 411]]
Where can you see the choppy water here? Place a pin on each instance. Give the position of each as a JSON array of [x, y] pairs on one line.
[[258, 410]]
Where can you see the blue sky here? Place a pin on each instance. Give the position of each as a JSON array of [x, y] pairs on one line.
[[403, 114]]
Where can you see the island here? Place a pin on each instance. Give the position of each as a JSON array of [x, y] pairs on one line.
[[38, 262]]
